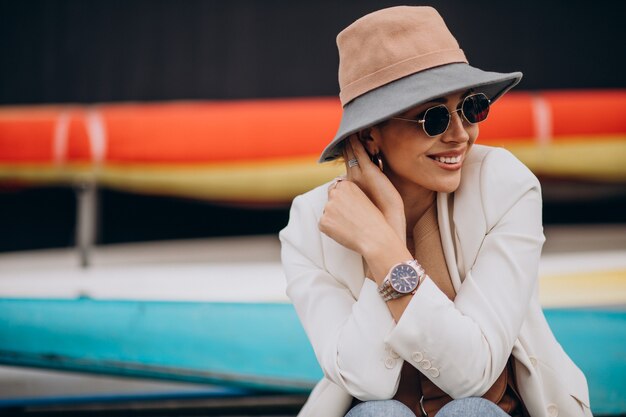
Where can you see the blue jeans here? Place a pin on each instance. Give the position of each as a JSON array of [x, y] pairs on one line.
[[464, 407]]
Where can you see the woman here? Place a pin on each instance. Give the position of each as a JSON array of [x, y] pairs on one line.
[[415, 276]]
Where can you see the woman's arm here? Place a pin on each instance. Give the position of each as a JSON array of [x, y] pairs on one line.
[[347, 335], [366, 214], [469, 340]]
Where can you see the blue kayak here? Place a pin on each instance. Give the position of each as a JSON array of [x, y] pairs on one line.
[[252, 346]]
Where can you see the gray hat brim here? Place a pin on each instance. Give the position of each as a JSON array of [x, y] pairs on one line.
[[405, 93]]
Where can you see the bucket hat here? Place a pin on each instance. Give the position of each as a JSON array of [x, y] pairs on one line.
[[394, 59]]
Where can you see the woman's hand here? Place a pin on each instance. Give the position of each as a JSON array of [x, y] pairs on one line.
[[351, 219], [365, 213], [369, 178]]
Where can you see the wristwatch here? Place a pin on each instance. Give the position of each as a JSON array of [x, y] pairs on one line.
[[402, 279]]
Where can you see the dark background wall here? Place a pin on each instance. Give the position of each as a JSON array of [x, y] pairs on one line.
[[61, 51], [114, 50]]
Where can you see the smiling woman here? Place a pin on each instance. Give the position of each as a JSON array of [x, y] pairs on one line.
[[425, 254]]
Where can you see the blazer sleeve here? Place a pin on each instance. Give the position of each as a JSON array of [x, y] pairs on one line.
[[468, 342], [347, 334]]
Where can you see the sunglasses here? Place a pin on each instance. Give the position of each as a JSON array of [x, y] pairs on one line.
[[436, 120]]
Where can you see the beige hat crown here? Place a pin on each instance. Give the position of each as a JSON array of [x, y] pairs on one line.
[[392, 43]]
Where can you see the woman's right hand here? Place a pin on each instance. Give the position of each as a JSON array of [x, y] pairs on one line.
[[375, 184], [351, 219]]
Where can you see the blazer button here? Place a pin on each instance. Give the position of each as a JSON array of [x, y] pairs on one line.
[[553, 410], [434, 372], [417, 356], [390, 363], [393, 354], [425, 364], [533, 361]]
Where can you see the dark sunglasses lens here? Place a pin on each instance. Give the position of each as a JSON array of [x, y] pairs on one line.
[[436, 120], [476, 108]]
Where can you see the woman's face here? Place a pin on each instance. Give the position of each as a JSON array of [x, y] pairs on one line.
[[413, 158]]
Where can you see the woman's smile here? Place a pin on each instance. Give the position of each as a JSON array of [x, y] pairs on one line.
[[449, 160]]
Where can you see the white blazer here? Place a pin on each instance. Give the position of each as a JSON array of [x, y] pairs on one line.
[[492, 236]]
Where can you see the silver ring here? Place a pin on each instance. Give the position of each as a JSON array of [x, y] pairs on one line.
[[353, 162]]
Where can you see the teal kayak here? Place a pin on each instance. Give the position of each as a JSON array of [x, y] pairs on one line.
[[258, 346]]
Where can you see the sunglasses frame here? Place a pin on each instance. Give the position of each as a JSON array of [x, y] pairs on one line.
[[422, 121]]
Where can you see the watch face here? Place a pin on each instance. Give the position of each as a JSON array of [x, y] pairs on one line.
[[403, 278]]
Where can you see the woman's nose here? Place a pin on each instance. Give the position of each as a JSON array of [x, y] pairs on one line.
[[456, 130]]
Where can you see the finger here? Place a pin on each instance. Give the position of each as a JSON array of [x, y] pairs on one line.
[[346, 158], [331, 187], [335, 183], [350, 147], [348, 153], [360, 153], [345, 147]]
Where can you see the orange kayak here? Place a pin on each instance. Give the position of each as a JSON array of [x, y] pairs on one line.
[[265, 151]]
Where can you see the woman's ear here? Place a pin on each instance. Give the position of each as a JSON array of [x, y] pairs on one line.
[[370, 138], [365, 134]]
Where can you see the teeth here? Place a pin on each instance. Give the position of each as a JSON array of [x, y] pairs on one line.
[[448, 159]]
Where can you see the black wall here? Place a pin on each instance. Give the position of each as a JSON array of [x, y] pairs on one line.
[[115, 50]]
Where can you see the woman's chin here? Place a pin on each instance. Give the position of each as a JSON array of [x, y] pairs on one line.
[[448, 186]]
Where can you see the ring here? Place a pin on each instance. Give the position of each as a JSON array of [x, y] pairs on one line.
[[335, 183], [353, 162]]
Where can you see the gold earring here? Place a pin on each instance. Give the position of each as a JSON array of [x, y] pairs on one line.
[[379, 161]]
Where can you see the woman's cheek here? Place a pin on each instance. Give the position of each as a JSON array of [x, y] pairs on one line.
[[473, 134]]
